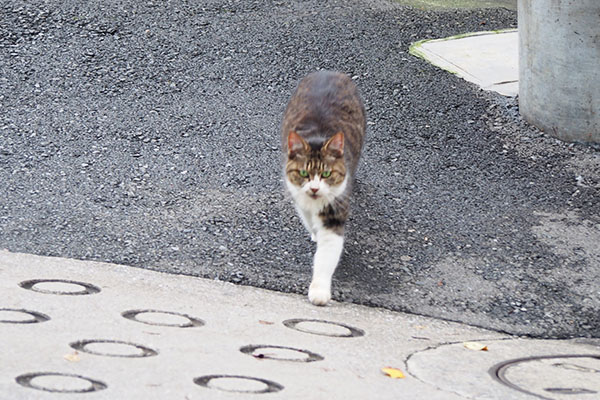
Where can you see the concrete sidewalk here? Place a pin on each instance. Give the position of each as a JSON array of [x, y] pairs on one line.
[[488, 59], [113, 332]]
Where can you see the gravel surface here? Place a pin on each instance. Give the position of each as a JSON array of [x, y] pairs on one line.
[[147, 133]]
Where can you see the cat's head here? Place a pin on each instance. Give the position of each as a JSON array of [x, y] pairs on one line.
[[316, 172]]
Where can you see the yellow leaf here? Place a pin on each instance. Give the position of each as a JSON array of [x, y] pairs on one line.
[[393, 372], [72, 357], [475, 346]]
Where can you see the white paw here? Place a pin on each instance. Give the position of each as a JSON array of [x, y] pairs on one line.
[[313, 237], [318, 295]]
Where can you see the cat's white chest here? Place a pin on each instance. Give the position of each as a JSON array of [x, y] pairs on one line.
[[309, 207]]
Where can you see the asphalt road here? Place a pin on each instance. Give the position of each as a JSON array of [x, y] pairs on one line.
[[147, 133]]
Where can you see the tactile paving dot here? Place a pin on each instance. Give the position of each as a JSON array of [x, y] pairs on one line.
[[323, 328], [113, 348], [568, 372], [162, 318], [238, 384], [59, 286], [20, 316], [57, 382], [281, 353]]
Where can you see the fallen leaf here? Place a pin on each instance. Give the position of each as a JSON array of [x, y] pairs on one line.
[[265, 322], [393, 372], [475, 346], [72, 357]]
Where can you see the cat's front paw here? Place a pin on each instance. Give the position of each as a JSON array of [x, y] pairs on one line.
[[318, 295]]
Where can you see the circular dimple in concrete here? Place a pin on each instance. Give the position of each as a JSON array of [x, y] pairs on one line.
[[113, 348], [59, 286], [238, 384], [162, 318], [570, 375], [19, 316], [546, 369], [281, 353], [60, 383], [323, 328]]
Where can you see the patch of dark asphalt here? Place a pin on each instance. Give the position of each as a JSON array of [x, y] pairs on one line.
[[147, 134]]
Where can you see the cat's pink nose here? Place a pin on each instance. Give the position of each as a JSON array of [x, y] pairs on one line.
[[314, 190]]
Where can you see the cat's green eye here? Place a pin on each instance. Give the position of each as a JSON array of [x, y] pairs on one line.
[[303, 173], [326, 174]]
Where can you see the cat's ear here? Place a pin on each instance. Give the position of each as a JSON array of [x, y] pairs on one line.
[[335, 145], [296, 144]]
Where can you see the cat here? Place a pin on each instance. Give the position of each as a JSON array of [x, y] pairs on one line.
[[323, 133]]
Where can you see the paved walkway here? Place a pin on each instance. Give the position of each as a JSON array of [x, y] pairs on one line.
[[488, 59], [106, 331]]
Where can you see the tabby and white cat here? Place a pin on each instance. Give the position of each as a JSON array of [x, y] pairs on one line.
[[323, 132]]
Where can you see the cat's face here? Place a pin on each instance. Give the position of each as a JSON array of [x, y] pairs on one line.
[[317, 175]]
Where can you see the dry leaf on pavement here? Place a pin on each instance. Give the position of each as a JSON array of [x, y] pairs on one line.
[[475, 346], [393, 372], [72, 357]]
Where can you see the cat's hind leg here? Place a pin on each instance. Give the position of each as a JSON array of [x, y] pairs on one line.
[[329, 250]]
